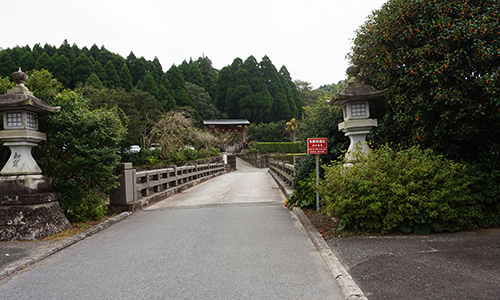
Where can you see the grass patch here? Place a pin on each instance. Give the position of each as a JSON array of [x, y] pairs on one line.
[[75, 229]]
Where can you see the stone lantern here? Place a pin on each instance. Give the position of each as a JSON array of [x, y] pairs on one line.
[[355, 101], [28, 207], [20, 124]]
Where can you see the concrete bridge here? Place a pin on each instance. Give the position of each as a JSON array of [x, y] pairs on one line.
[[227, 238]]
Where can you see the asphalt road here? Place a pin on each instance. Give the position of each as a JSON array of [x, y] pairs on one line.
[[227, 238], [462, 265]]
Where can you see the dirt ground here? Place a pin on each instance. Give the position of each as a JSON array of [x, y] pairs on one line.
[[323, 223]]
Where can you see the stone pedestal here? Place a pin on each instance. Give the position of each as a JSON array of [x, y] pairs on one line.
[[29, 209], [20, 143], [357, 130]]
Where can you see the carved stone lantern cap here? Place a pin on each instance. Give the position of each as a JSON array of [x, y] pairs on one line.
[[356, 89], [20, 97]]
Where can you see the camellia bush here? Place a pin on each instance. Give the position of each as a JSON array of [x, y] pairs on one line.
[[440, 64], [410, 191]]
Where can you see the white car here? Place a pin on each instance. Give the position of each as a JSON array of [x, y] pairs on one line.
[[134, 149], [155, 146]]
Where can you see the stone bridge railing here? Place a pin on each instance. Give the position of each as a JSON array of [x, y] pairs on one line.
[[141, 189], [283, 170]]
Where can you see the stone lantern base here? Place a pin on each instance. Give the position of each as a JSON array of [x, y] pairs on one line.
[[357, 130], [29, 209]]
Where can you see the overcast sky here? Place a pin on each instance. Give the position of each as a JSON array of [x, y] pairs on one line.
[[309, 37]]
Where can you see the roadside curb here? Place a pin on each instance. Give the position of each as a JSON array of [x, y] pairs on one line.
[[347, 285], [345, 281], [26, 262]]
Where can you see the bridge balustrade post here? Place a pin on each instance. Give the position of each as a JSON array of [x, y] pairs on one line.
[[126, 192]]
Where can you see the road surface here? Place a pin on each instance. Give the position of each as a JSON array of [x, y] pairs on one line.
[[227, 238]]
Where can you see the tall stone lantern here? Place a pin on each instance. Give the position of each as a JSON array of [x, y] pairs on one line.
[[355, 101], [28, 207]]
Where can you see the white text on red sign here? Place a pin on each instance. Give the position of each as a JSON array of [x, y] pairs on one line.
[[317, 146]]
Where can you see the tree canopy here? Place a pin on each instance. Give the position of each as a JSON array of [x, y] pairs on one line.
[[256, 91], [253, 90], [308, 95], [82, 68], [7, 65], [201, 100]]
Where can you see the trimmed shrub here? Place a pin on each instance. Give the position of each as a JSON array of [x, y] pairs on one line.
[[202, 153], [251, 151], [151, 159], [176, 158], [190, 154], [145, 157], [214, 151], [304, 194], [304, 170], [412, 190]]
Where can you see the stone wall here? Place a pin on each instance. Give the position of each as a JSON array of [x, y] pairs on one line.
[[29, 209]]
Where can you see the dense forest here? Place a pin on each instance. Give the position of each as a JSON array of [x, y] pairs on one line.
[[248, 89]]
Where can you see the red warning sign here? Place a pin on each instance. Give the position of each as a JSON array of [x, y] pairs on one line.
[[317, 146]]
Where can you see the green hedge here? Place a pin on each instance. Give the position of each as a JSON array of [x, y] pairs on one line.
[[278, 147], [412, 191]]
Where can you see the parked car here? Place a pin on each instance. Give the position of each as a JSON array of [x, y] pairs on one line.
[[155, 146], [134, 149]]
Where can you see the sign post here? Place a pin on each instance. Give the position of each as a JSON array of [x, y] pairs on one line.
[[317, 146]]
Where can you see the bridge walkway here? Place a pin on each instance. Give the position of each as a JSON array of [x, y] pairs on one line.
[[227, 238]]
